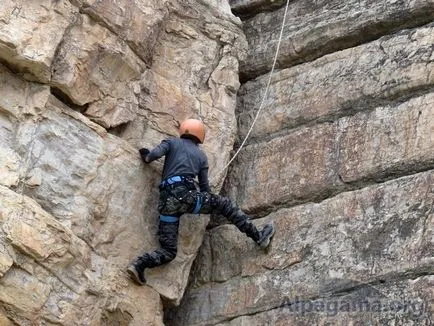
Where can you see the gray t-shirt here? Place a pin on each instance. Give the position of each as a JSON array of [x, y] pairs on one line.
[[183, 157]]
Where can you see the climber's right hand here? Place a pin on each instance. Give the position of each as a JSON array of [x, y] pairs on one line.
[[144, 154]]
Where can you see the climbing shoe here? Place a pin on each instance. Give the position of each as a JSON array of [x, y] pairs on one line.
[[266, 234], [135, 270]]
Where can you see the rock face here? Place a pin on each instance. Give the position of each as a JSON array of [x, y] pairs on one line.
[[378, 239], [84, 84], [341, 159], [316, 28]]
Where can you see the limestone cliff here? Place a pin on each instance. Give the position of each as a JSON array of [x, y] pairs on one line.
[[84, 84], [341, 159]]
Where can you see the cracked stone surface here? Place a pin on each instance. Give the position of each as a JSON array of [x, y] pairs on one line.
[[313, 162], [360, 78], [379, 237], [315, 28], [341, 160], [31, 32], [83, 85]]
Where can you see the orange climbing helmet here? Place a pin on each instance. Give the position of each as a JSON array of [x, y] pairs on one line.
[[192, 127]]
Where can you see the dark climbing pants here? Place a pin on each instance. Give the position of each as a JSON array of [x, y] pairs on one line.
[[182, 197]]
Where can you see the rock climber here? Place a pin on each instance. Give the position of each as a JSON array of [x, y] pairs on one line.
[[184, 161]]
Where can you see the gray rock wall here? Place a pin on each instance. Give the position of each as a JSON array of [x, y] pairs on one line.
[[375, 238], [341, 159]]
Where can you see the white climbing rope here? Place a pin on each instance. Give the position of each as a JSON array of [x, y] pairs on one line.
[[265, 95]]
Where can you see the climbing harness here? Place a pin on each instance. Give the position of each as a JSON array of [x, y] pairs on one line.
[[265, 92], [169, 218], [168, 188], [171, 180], [198, 204]]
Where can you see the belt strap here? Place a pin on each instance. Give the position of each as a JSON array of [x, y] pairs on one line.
[[198, 204], [171, 180]]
